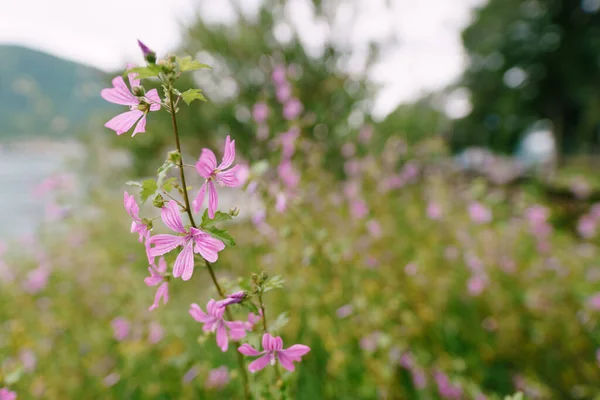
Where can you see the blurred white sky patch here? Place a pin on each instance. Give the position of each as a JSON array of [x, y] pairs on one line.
[[103, 34]]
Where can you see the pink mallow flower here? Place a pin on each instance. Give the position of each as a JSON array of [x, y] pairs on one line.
[[594, 302], [273, 351], [157, 277], [193, 241], [222, 174], [479, 213], [6, 394], [260, 112], [213, 322], [217, 378], [133, 210], [288, 175], [139, 105], [121, 328]]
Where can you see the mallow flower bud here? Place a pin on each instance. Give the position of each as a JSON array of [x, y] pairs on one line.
[[149, 55]]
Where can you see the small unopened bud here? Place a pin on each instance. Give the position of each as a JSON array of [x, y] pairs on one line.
[[254, 277], [158, 201], [149, 55], [174, 157], [255, 289], [264, 276], [148, 223], [137, 91], [143, 107], [234, 212]]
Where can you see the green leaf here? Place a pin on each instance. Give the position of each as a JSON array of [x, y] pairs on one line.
[[219, 216], [250, 306], [168, 184], [275, 282], [279, 323], [148, 189], [14, 376], [192, 94], [145, 72], [220, 234], [162, 172], [188, 64], [133, 183]]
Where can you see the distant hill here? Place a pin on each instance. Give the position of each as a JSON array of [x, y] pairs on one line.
[[44, 95]]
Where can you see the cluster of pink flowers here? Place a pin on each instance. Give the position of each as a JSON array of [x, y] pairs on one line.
[[587, 225], [6, 394]]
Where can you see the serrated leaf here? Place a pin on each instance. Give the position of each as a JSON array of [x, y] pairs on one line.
[[162, 172], [220, 234], [219, 216], [133, 183], [275, 282], [192, 94], [145, 72], [279, 323], [167, 185], [188, 64], [148, 189]]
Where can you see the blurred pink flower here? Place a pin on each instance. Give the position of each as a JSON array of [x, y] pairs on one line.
[[121, 328], [193, 241], [370, 342], [243, 174], [434, 212], [283, 92], [213, 322], [262, 132], [28, 359], [279, 74], [537, 214], [419, 378], [155, 332], [157, 276], [365, 134], [292, 109], [348, 150], [587, 227], [111, 379], [6, 394], [260, 112], [352, 167], [190, 374], [280, 203], [37, 279], [133, 210], [598, 356], [222, 174], [217, 378], [594, 302], [253, 319], [374, 228], [476, 285], [273, 351], [288, 175], [288, 142], [139, 105], [479, 213], [345, 311], [446, 389], [358, 209], [410, 269]]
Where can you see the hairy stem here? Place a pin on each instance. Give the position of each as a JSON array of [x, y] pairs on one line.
[[240, 357], [181, 173]]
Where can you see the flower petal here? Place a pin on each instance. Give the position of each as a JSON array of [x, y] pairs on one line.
[[154, 99], [164, 244], [208, 247], [222, 340], [268, 342], [213, 199], [229, 178], [296, 351], [133, 80], [259, 363], [184, 263], [171, 217], [123, 122], [199, 315], [285, 361], [199, 200], [119, 93], [206, 164], [248, 350], [229, 153], [161, 292], [140, 127]]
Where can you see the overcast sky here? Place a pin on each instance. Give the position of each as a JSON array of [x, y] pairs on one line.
[[103, 34]]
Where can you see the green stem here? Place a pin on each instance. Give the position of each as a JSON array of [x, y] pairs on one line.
[[240, 357], [181, 173]]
